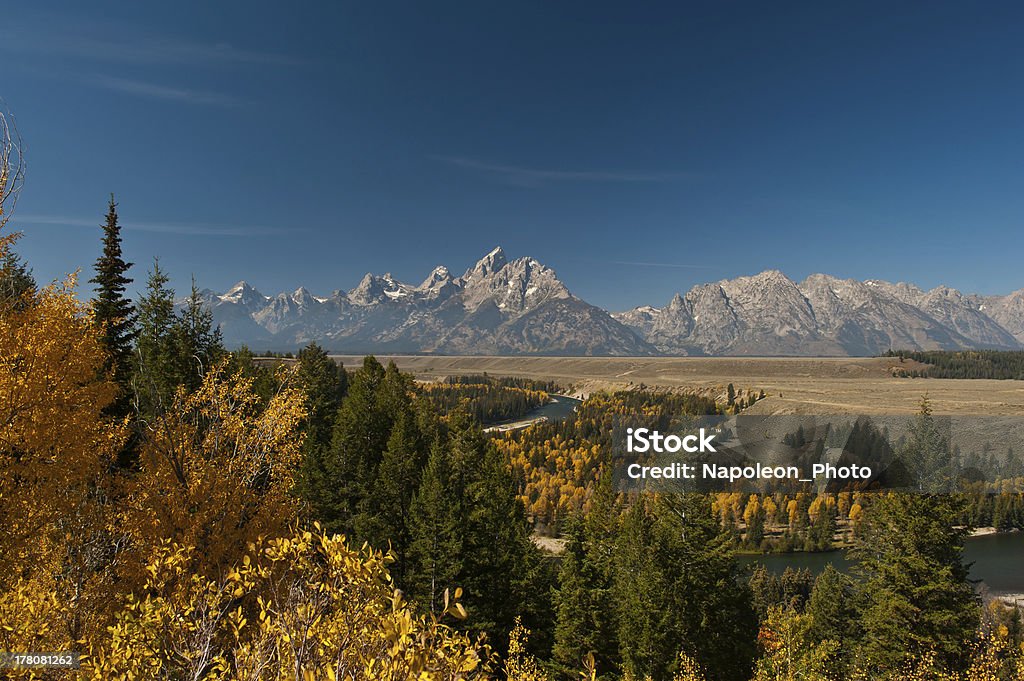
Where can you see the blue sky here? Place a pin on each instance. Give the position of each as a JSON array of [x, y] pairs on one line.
[[637, 150]]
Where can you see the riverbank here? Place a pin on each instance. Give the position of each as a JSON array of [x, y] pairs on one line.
[[515, 425], [986, 531], [1011, 600]]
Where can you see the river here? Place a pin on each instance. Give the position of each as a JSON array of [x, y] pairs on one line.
[[998, 561], [560, 407]]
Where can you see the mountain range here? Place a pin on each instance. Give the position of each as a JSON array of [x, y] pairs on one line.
[[503, 307]]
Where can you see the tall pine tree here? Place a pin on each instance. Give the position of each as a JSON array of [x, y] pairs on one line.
[[436, 531], [154, 376], [398, 476], [325, 382], [914, 597], [114, 312], [586, 622], [678, 590]]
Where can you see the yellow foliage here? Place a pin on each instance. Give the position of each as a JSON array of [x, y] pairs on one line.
[[520, 665], [55, 450], [304, 606], [217, 468], [789, 651], [52, 433], [688, 670]]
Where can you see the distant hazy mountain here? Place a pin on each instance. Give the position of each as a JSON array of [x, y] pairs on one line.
[[769, 314], [496, 307], [520, 307]]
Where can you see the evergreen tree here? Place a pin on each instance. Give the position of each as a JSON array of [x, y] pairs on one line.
[[451, 516], [584, 601], [336, 481], [766, 591], [114, 312], [574, 632], [500, 561], [154, 378], [914, 596], [646, 644], [436, 532], [196, 342], [16, 279], [927, 453], [397, 479], [796, 585], [829, 606], [678, 591], [325, 382]]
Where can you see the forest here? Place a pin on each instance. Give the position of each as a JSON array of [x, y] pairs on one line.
[[488, 399], [997, 364], [172, 509]]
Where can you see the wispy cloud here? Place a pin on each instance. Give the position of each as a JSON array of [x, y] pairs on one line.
[[146, 90], [180, 228], [536, 176], [71, 42]]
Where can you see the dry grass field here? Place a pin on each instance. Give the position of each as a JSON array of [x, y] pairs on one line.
[[795, 385]]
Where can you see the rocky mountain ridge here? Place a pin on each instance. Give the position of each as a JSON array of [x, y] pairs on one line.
[[770, 314], [502, 306], [496, 307]]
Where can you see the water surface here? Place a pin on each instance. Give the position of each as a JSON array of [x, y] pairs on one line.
[[998, 561]]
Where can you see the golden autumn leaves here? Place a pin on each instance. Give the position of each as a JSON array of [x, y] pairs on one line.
[[305, 606]]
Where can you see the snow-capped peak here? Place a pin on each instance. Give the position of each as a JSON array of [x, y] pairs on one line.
[[302, 296], [439, 276], [243, 294]]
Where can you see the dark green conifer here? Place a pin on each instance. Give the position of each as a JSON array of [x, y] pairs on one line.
[[16, 280], [154, 376], [336, 480], [914, 596], [324, 382], [196, 341], [114, 312]]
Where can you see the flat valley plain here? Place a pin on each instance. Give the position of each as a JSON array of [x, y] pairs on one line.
[[792, 385]]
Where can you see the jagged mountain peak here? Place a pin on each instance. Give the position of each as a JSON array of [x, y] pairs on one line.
[[499, 306], [242, 293], [302, 296], [514, 287], [438, 276], [487, 265]]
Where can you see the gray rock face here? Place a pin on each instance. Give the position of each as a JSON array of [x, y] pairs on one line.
[[1007, 311], [769, 314], [497, 307]]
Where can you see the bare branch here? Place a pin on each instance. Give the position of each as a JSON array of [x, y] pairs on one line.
[[12, 164]]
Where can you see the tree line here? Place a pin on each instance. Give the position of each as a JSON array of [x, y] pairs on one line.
[[997, 364], [487, 399]]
